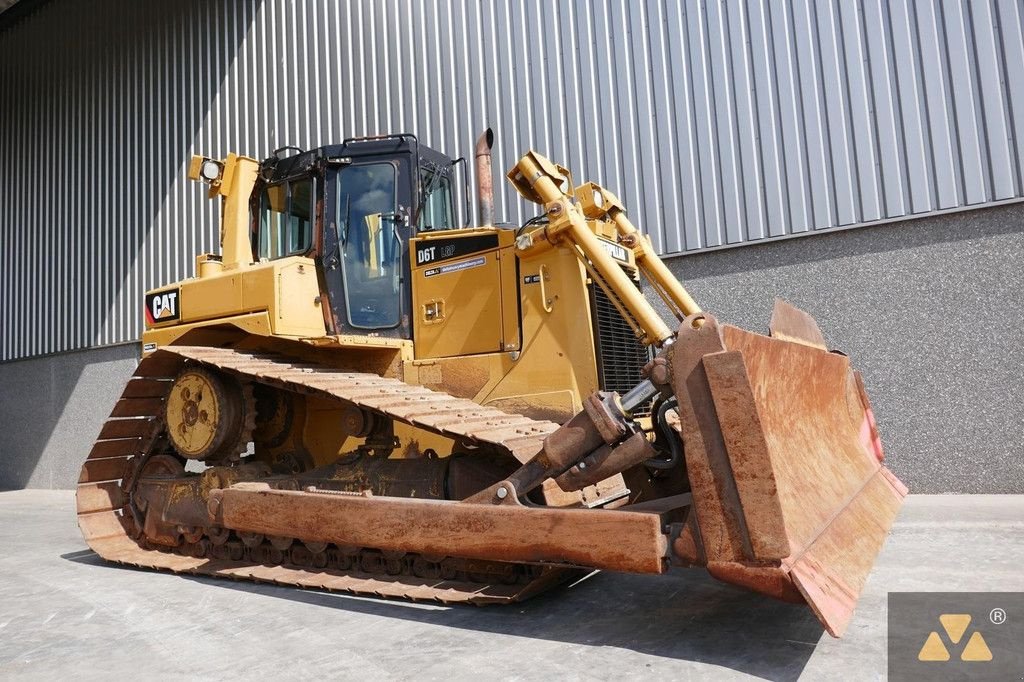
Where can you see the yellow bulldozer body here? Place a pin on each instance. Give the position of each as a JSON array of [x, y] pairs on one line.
[[484, 454]]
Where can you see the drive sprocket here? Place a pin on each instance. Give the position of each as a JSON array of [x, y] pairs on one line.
[[209, 415]]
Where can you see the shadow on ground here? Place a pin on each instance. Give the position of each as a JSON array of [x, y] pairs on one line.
[[684, 615]]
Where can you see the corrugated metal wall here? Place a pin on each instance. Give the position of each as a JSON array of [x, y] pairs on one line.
[[717, 122]]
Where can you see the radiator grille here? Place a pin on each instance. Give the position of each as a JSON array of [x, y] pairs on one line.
[[620, 355]]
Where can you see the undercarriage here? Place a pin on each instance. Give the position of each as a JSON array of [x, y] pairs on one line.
[[138, 505]]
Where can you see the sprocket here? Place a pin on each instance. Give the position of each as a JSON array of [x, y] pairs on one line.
[[209, 415]]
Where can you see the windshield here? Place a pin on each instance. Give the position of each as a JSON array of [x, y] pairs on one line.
[[370, 246]]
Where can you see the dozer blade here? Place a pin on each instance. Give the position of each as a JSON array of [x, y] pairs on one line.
[[790, 495]]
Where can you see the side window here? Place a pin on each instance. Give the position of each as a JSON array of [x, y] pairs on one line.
[[286, 219], [436, 190]]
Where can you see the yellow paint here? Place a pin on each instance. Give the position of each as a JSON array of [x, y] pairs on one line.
[[257, 324], [539, 180], [933, 649], [557, 346], [596, 202], [286, 289], [976, 649], [465, 305], [509, 327], [555, 365], [320, 433], [372, 235], [955, 625], [193, 413]]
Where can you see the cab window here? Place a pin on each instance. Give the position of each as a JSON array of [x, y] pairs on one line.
[[286, 214], [370, 244], [436, 211]]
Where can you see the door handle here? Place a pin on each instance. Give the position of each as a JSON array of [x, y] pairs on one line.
[[545, 301]]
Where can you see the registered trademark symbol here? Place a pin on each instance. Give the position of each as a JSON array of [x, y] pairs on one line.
[[997, 616]]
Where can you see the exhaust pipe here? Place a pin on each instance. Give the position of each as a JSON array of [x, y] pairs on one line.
[[484, 180]]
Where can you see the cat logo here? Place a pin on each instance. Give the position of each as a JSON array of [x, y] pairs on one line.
[[955, 625], [162, 306]]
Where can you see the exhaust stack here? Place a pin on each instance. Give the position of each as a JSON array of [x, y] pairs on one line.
[[484, 179]]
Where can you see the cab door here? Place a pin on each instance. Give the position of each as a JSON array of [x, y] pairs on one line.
[[365, 246]]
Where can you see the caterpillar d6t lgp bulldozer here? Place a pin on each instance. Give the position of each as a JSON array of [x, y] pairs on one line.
[[358, 394]]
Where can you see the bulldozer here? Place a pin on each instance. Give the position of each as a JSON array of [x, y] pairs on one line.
[[359, 394]]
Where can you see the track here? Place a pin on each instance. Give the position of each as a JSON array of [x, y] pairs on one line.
[[133, 432]]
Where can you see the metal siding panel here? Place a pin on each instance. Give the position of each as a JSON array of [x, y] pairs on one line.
[[993, 104], [797, 183], [886, 115], [835, 108], [663, 134], [508, 143], [522, 114], [768, 132], [724, 135], [590, 76], [718, 123], [631, 183], [648, 159], [933, 73], [815, 135], [551, 113], [571, 122], [1011, 28], [450, 105], [703, 103], [6, 133], [907, 92], [749, 174], [858, 95], [11, 322], [686, 151], [608, 172], [962, 95]]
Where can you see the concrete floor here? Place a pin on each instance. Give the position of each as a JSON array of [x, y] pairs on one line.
[[65, 613]]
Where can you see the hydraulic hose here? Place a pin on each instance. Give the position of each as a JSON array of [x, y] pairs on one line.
[[674, 446]]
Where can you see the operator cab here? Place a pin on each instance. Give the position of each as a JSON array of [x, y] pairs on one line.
[[354, 207]]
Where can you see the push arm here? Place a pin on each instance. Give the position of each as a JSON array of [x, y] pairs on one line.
[[539, 180], [602, 439], [598, 203]]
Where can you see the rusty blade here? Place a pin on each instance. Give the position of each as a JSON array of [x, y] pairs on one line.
[[838, 500], [727, 459], [789, 491], [789, 323]]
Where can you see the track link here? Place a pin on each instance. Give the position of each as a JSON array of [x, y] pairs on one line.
[[133, 432]]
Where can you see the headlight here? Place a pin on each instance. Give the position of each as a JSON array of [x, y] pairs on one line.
[[210, 170]]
